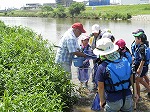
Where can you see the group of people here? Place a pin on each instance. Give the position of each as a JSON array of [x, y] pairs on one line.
[[116, 68]]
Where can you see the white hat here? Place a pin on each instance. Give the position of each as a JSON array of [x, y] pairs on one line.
[[83, 37], [104, 46], [95, 28], [107, 35]]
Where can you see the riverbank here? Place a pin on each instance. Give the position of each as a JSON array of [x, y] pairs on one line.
[[86, 96], [110, 12], [141, 17]]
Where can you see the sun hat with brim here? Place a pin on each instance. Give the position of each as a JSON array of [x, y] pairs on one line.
[[79, 26], [138, 34], [105, 46]]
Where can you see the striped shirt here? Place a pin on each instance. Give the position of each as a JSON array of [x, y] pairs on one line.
[[67, 45]]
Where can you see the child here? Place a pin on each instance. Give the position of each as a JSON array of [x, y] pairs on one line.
[[123, 50], [140, 61], [83, 72], [113, 77], [99, 60]]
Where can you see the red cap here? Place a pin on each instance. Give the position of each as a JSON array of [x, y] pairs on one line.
[[121, 43], [78, 26]]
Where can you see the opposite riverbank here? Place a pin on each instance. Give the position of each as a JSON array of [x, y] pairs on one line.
[[110, 12]]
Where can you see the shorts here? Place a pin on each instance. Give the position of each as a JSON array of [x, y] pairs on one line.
[[118, 105], [67, 68], [144, 70]]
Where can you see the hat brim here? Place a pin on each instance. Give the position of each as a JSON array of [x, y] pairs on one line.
[[137, 34], [83, 31], [101, 53], [85, 38]]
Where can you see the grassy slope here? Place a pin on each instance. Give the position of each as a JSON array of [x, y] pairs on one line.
[[132, 9]]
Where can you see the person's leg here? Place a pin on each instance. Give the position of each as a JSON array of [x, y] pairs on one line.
[[138, 85], [87, 76], [79, 74], [67, 68], [146, 78], [144, 83]]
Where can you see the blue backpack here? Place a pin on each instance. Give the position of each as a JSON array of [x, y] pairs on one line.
[[117, 75]]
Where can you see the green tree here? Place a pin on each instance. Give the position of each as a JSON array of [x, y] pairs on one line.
[[76, 8], [60, 11], [46, 8]]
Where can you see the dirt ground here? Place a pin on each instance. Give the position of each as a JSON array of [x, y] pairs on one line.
[[87, 96]]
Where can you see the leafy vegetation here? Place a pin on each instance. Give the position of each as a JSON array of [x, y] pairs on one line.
[[60, 12], [30, 81], [76, 8]]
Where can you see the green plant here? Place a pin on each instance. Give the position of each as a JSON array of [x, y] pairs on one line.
[[76, 8], [30, 79]]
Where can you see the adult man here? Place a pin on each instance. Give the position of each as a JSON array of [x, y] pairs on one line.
[[113, 77], [68, 46]]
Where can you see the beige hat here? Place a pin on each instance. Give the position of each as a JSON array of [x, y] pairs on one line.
[[105, 46], [95, 28]]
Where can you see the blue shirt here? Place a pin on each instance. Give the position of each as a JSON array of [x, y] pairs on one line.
[[67, 45]]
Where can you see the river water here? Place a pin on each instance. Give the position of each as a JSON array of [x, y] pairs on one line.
[[53, 29]]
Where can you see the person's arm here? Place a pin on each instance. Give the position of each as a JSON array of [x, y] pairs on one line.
[[143, 59], [79, 54], [140, 67], [101, 93]]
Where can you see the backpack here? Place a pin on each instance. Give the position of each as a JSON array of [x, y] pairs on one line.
[[117, 75], [126, 53]]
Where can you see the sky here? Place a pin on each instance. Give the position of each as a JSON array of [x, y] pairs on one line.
[[19, 3], [4, 4]]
